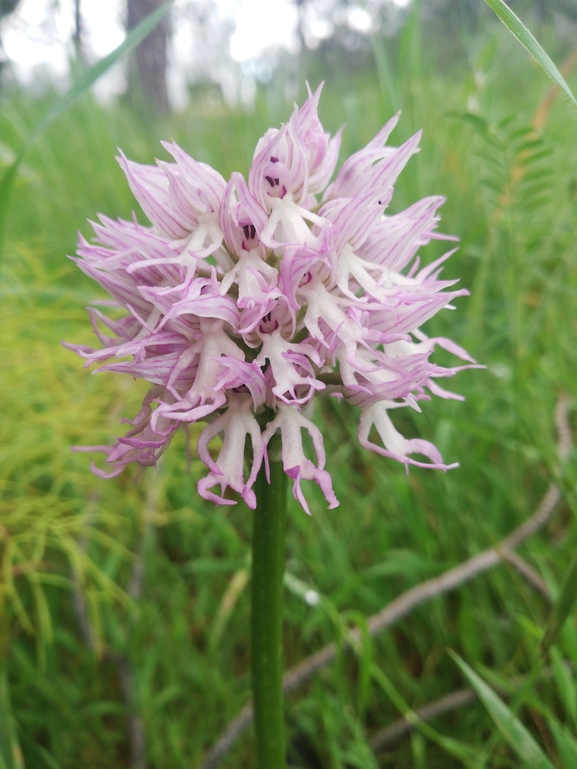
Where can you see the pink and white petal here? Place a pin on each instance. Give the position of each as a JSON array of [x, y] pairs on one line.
[[395, 445]]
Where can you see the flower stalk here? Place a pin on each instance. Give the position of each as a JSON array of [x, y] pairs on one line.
[[268, 564]]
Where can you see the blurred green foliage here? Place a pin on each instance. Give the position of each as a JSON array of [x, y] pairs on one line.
[[69, 541]]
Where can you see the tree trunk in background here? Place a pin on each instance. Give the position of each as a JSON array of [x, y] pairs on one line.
[[6, 8], [147, 70], [78, 29]]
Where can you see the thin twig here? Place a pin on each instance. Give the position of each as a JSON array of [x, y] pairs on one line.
[[527, 571], [386, 737], [81, 612], [563, 427], [135, 724], [410, 599]]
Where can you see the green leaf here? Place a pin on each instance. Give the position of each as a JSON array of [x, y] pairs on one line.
[[10, 753], [49, 759], [478, 123], [520, 740], [568, 642], [565, 742], [565, 682], [84, 82], [562, 608], [365, 658], [528, 41]]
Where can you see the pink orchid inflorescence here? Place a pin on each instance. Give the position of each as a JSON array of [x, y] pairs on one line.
[[245, 299]]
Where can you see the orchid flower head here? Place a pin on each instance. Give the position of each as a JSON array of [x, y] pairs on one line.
[[246, 299]]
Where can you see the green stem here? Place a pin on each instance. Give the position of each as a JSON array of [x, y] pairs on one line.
[[268, 565]]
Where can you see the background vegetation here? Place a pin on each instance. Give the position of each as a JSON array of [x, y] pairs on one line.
[[124, 605]]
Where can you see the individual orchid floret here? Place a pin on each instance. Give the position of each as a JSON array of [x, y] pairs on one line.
[[236, 424], [361, 171], [245, 300], [291, 422], [322, 150], [181, 199], [207, 394], [242, 218], [292, 367], [395, 446], [297, 159]]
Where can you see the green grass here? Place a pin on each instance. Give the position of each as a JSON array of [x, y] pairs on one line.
[[512, 198]]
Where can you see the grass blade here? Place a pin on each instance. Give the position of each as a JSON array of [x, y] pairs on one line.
[[565, 742], [561, 609], [10, 753], [528, 41], [84, 82], [518, 737], [91, 75]]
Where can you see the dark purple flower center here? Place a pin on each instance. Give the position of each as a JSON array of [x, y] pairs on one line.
[[273, 176], [268, 324], [250, 239], [249, 231]]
